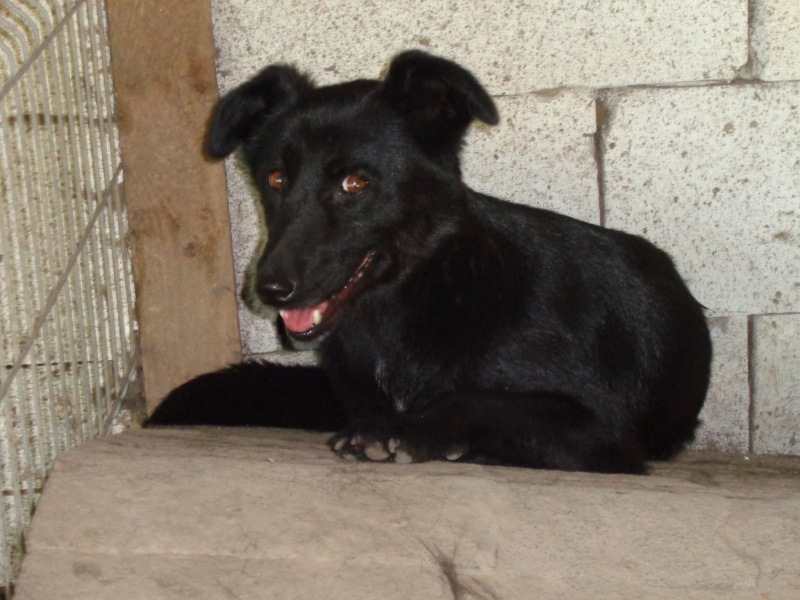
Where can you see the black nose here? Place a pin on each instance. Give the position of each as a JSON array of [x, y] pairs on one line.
[[275, 290]]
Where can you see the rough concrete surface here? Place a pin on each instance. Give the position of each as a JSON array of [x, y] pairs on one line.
[[711, 175], [513, 46], [775, 37], [726, 413], [776, 384], [253, 514], [540, 154]]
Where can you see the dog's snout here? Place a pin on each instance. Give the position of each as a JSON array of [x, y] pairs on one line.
[[275, 290]]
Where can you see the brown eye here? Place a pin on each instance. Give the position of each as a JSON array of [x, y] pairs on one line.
[[276, 180], [352, 184]]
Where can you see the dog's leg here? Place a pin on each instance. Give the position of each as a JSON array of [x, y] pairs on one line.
[[541, 430], [553, 431], [254, 394]]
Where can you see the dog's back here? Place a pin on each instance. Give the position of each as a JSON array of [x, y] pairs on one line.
[[449, 324], [638, 329]]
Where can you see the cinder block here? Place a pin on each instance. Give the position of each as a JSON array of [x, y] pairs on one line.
[[512, 46], [776, 384], [776, 39], [541, 154], [725, 416], [712, 175]]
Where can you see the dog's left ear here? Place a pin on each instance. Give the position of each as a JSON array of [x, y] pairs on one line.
[[437, 97]]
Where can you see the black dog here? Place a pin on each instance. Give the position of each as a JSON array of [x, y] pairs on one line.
[[450, 324]]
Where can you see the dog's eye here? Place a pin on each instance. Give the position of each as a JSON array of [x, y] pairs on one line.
[[276, 180], [352, 184]]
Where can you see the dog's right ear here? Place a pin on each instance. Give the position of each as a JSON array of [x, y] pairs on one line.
[[237, 113], [437, 97]]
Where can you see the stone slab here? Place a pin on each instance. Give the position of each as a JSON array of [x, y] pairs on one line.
[[775, 39], [197, 577], [513, 47], [209, 513], [726, 413], [776, 384], [712, 175]]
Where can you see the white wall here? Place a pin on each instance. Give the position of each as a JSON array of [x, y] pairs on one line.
[[697, 107]]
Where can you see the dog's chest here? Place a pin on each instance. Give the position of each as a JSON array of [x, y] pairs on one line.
[[379, 356], [403, 380]]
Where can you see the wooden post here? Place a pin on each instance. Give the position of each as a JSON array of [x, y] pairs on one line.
[[162, 55]]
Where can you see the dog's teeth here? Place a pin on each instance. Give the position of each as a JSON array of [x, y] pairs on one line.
[[316, 318]]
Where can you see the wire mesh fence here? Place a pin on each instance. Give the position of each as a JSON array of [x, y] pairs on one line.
[[67, 329]]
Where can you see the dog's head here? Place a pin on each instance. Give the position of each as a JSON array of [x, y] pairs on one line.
[[354, 178]]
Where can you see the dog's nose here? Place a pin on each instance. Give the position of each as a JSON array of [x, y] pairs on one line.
[[275, 290]]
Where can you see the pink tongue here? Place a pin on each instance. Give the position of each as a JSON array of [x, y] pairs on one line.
[[301, 320]]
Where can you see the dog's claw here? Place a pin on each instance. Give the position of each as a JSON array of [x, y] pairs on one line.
[[377, 446], [455, 453], [403, 458], [376, 452]]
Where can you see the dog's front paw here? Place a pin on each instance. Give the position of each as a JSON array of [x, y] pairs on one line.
[[359, 443], [383, 445]]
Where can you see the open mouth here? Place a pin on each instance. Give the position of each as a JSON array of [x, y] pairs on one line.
[[307, 323]]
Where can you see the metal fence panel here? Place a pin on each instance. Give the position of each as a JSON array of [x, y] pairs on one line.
[[67, 328]]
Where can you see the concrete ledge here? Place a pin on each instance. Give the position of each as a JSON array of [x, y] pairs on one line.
[[204, 513]]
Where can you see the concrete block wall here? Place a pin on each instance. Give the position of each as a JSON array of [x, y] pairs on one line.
[[678, 120]]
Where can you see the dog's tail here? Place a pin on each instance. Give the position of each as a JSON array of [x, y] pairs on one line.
[[254, 394]]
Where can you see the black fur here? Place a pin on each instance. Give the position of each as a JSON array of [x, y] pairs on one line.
[[471, 328]]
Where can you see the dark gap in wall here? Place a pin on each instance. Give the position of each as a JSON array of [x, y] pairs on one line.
[[751, 419], [603, 117], [750, 70]]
